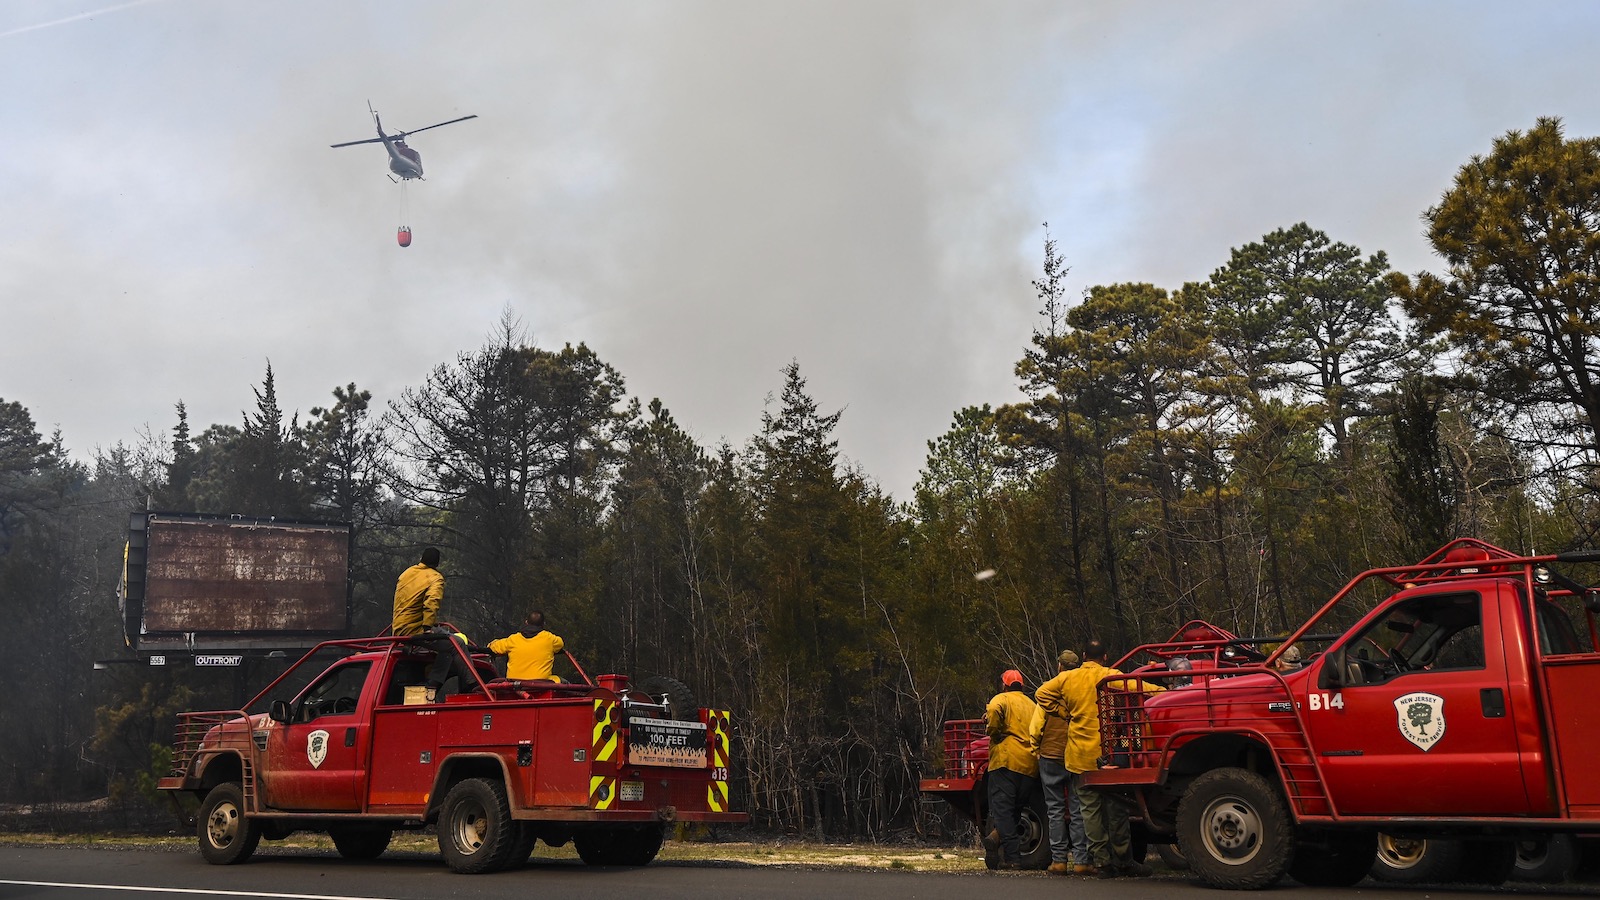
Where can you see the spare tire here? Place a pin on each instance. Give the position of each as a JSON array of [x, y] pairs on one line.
[[675, 694]]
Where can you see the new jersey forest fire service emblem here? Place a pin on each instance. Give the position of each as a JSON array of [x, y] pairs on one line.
[[1421, 718]]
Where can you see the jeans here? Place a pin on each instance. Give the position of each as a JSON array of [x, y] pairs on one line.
[[1008, 795], [1105, 824], [1066, 820]]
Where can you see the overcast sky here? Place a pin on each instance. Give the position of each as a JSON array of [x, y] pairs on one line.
[[699, 191]]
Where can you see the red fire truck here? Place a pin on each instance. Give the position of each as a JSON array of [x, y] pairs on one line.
[[1443, 700], [359, 752]]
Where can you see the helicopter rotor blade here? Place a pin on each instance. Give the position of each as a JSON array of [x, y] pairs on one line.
[[439, 125], [353, 143]]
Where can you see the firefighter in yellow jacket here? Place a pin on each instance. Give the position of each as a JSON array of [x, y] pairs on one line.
[[417, 595], [1105, 816], [1013, 769], [1069, 849], [531, 652]]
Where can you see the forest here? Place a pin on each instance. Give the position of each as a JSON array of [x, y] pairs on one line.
[[1234, 448]]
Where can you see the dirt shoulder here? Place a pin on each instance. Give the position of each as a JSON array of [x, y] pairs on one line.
[[749, 853]]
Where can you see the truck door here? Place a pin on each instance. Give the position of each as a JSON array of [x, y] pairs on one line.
[[315, 761], [1571, 670], [1410, 714]]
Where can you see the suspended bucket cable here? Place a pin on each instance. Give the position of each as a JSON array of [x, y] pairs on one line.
[[404, 234]]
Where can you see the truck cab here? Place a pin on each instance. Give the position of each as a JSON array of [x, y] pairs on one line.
[[1452, 705]]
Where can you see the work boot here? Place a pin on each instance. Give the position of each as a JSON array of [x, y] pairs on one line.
[[1059, 868], [992, 839], [1083, 869], [1135, 870], [1106, 871]]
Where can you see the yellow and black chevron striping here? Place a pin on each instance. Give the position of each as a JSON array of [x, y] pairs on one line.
[[717, 751], [604, 747], [602, 791]]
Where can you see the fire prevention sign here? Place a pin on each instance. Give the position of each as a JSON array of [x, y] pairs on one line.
[[663, 742]]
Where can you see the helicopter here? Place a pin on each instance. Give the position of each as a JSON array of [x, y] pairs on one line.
[[403, 161]]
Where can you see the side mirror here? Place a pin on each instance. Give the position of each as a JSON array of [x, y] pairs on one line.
[[1332, 674], [280, 712], [1591, 599]]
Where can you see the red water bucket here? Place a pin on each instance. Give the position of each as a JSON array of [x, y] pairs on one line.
[[404, 236]]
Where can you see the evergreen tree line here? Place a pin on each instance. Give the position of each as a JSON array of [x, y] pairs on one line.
[[1233, 449]]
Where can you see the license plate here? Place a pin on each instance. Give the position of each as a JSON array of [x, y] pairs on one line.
[[632, 790]]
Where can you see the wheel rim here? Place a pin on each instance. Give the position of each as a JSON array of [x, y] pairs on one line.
[[1400, 853], [1031, 834], [222, 826], [1232, 830], [1532, 853], [471, 827]]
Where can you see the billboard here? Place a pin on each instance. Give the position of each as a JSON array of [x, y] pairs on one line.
[[194, 582]]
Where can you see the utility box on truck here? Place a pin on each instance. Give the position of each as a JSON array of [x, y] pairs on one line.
[[194, 582]]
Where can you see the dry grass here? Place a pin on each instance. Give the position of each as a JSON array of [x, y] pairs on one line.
[[776, 853]]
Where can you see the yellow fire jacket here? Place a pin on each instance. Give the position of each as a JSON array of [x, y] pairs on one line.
[[531, 656], [1008, 717], [1049, 729], [1077, 698], [416, 600]]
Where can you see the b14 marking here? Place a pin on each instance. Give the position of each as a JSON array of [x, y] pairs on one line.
[[1325, 700]]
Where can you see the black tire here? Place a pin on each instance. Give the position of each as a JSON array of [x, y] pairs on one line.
[[1033, 833], [1172, 857], [1138, 843], [1234, 830], [679, 698], [1546, 858], [1488, 862], [275, 829], [1405, 860], [226, 835], [360, 841], [476, 832], [619, 846], [1033, 836], [522, 848], [1334, 858]]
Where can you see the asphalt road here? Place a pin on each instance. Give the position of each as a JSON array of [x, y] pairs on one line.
[[56, 873]]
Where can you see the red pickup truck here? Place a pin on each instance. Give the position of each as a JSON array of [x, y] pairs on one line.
[[359, 752], [1447, 699]]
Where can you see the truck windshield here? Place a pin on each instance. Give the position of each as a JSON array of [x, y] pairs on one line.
[[1435, 631], [294, 680]]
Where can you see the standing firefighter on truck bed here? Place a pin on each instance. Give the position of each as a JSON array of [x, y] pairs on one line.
[[418, 594]]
